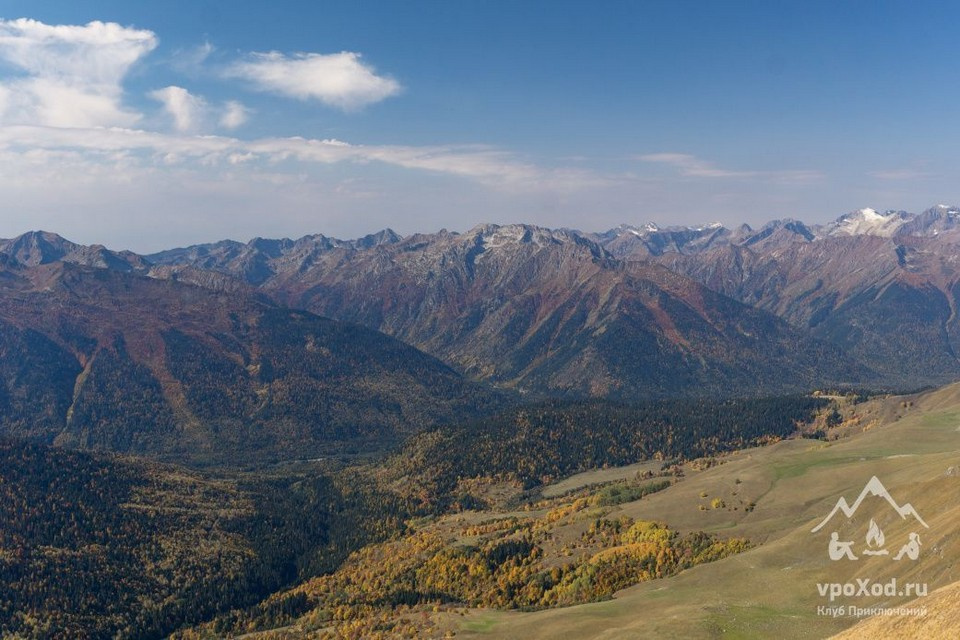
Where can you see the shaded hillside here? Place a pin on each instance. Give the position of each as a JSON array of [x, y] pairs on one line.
[[105, 360], [98, 547]]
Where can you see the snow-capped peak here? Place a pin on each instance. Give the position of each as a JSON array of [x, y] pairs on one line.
[[640, 232], [868, 222]]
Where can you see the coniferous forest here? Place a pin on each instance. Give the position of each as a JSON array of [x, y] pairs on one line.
[[97, 545]]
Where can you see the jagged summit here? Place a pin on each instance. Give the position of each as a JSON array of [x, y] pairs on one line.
[[867, 221], [894, 223], [492, 236], [36, 248], [626, 241], [651, 240], [260, 259]]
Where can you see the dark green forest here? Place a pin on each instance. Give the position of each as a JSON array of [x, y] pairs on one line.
[[544, 442], [102, 547]]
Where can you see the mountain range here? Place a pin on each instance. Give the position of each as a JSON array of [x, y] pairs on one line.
[[264, 344], [105, 359], [881, 287]]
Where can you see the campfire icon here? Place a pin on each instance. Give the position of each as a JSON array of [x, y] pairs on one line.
[[874, 540]]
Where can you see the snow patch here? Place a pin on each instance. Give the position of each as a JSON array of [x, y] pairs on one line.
[[868, 222]]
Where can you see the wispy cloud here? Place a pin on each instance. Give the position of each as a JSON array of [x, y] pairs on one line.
[[234, 115], [484, 164], [71, 74], [192, 61], [898, 174], [339, 80], [693, 167], [689, 165]]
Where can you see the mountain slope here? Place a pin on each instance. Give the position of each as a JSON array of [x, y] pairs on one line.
[[882, 286], [773, 496], [42, 247], [553, 311], [544, 311], [107, 360], [941, 622], [889, 302]]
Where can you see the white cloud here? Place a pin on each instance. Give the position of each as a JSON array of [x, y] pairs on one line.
[[186, 109], [234, 115], [492, 167], [339, 80], [191, 112], [70, 75], [693, 167], [191, 61], [898, 174]]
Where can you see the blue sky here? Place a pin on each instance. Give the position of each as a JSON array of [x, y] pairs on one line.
[[180, 122]]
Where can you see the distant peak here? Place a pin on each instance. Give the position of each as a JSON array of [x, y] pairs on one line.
[[37, 247], [945, 208], [869, 222], [47, 236]]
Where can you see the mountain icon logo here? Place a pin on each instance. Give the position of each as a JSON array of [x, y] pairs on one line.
[[873, 488], [843, 549]]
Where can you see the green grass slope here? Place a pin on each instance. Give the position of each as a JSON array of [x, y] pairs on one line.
[[775, 495]]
